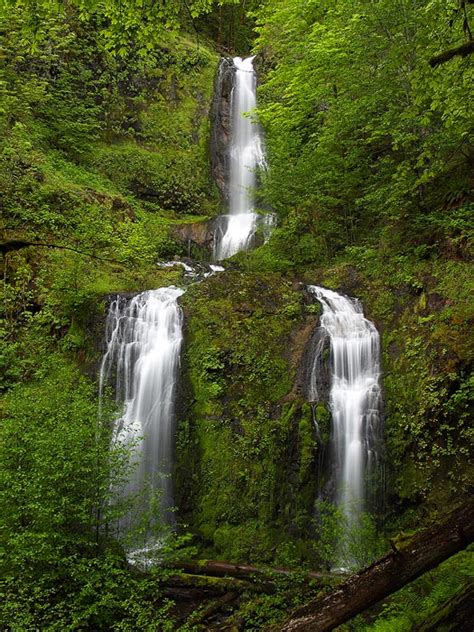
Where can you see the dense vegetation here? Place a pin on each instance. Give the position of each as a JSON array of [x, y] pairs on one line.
[[371, 153], [104, 126]]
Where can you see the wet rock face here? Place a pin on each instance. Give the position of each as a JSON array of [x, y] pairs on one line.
[[197, 238], [200, 234], [221, 126], [92, 322], [313, 359], [316, 367]]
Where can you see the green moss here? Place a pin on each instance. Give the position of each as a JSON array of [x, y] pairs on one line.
[[422, 309], [323, 419], [255, 452], [307, 444]]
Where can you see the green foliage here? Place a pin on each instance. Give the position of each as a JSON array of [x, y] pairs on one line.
[[58, 570], [231, 25], [362, 133], [341, 542], [260, 612], [140, 24], [173, 182], [420, 602], [68, 94]]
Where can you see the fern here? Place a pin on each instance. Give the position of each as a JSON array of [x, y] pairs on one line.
[[420, 601]]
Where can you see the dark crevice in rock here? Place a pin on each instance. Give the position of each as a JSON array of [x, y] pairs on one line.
[[221, 126]]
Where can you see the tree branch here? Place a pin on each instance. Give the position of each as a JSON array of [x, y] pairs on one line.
[[17, 244], [462, 51]]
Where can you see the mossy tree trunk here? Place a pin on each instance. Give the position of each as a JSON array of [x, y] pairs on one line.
[[387, 575]]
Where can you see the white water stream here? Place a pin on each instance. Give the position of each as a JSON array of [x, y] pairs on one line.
[[246, 154], [354, 401], [144, 337], [143, 344]]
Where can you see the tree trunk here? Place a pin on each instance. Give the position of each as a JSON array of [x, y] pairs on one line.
[[387, 575]]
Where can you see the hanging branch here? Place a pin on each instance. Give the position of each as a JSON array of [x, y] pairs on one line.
[[18, 244], [459, 51], [193, 22]]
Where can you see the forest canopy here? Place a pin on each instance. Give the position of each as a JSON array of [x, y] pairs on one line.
[[109, 115]]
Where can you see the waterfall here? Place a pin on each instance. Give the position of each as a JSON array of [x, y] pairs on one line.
[[236, 229], [143, 337], [355, 405]]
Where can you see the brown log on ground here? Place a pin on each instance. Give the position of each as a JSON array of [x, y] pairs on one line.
[[214, 585], [387, 575], [211, 609], [215, 568]]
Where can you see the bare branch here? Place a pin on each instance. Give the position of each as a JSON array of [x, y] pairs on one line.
[[18, 244]]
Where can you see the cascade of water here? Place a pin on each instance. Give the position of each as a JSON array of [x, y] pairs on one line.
[[246, 154], [144, 338], [354, 400]]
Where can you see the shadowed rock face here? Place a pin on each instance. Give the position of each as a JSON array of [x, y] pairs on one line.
[[196, 234], [316, 367], [221, 127], [312, 360]]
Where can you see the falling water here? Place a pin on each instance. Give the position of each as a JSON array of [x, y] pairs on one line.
[[246, 154], [355, 403], [144, 338]]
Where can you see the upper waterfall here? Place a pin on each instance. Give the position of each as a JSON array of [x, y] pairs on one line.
[[246, 155], [144, 337], [354, 401]]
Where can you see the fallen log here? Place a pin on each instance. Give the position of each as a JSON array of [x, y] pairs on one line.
[[216, 568], [214, 585], [387, 574], [201, 616]]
